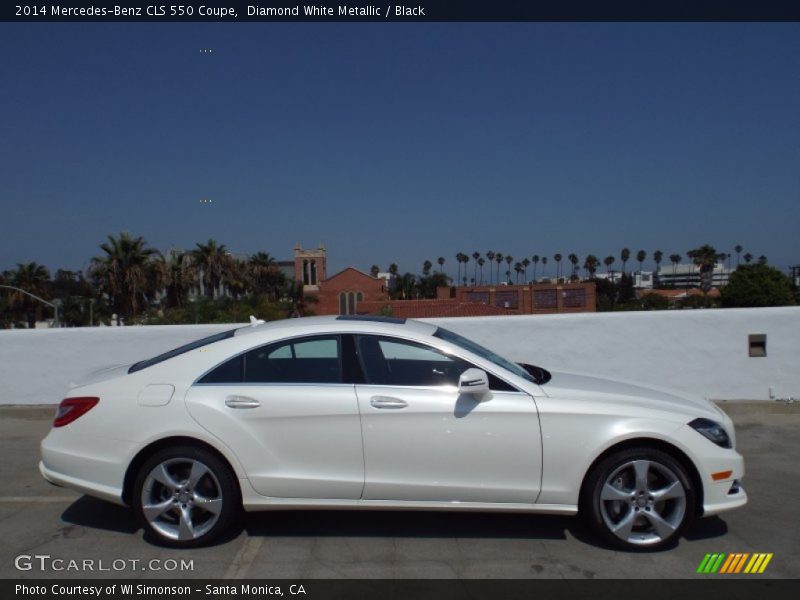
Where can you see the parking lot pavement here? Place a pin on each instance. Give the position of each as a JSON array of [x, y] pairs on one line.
[[40, 519]]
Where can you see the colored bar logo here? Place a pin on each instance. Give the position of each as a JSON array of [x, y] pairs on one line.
[[736, 562]]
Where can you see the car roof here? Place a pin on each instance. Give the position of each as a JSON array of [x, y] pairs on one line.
[[332, 324]]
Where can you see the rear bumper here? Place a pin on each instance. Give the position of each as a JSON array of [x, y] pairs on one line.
[[93, 466]]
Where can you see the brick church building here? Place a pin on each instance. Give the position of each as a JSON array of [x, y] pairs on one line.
[[351, 292]]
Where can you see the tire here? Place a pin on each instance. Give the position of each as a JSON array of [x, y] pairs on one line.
[[186, 497], [638, 499]]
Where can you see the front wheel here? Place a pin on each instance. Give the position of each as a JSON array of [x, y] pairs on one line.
[[639, 498], [186, 497]]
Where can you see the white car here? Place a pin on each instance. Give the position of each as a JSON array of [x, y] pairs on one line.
[[381, 413]]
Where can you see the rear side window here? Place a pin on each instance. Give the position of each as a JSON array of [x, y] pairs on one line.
[[304, 360], [143, 364]]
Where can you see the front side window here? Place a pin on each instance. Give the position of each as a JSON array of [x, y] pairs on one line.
[[485, 353], [391, 361], [303, 360]]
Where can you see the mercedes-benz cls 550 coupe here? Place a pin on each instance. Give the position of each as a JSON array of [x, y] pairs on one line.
[[382, 413]]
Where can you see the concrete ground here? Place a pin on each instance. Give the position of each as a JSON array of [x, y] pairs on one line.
[[39, 519]]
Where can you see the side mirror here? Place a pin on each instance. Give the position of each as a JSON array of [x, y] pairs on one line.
[[473, 381]]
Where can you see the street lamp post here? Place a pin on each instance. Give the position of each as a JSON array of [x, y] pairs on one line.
[[55, 305]]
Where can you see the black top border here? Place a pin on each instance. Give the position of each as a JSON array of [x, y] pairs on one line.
[[383, 11]]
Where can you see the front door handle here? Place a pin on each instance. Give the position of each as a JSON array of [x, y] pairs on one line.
[[241, 402], [387, 402]]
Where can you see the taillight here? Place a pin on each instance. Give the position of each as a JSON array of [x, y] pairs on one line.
[[72, 408]]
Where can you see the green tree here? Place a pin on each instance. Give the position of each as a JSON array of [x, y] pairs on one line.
[[535, 261], [705, 258], [641, 255], [738, 249], [426, 268], [574, 260], [557, 257], [608, 261], [498, 258], [490, 258], [211, 259], [476, 255], [35, 279], [590, 265], [122, 273], [757, 285], [624, 256], [441, 261]]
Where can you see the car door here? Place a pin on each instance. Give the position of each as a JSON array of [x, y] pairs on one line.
[[423, 441], [283, 409]]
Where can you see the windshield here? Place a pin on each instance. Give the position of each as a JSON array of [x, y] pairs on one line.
[[485, 353], [143, 364]]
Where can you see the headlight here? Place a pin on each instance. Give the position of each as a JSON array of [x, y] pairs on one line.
[[713, 431]]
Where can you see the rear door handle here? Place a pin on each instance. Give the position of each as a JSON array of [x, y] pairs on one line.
[[387, 402], [241, 402]]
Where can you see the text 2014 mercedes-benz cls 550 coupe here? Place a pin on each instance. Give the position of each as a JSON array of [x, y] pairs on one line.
[[375, 413]]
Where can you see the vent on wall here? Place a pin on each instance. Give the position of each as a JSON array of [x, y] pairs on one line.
[[757, 344]]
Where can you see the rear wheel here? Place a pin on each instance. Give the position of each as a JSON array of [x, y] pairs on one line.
[[639, 498], [186, 497]]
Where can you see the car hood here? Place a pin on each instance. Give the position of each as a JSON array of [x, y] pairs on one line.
[[585, 387]]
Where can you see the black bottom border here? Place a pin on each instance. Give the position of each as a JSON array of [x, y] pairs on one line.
[[732, 588]]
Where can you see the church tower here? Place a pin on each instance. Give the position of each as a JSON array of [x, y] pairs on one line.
[[309, 267]]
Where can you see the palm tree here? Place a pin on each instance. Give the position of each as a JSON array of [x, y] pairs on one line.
[[212, 260], [374, 270], [762, 260], [640, 256], [525, 264], [738, 249], [674, 259], [658, 256], [573, 258], [462, 259], [393, 269], [490, 258], [557, 258], [624, 256], [747, 258], [465, 258], [498, 258], [122, 272], [33, 278], [705, 257], [178, 274], [476, 256], [509, 260], [426, 268], [266, 276], [535, 260], [590, 265], [440, 260], [544, 265], [608, 261], [481, 262]]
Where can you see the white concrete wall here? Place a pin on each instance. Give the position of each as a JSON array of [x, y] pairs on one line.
[[703, 352]]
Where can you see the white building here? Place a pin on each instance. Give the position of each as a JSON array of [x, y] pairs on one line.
[[685, 275]]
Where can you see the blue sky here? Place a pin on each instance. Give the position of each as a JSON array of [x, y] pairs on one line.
[[400, 142]]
